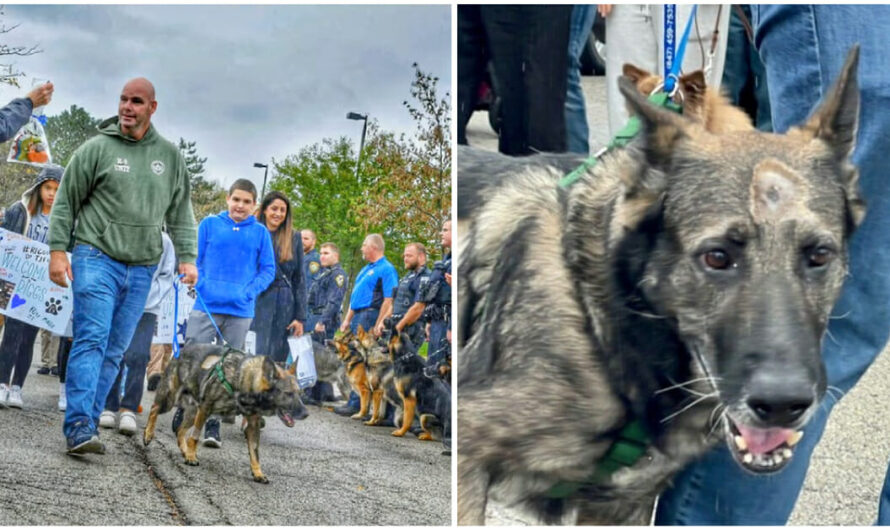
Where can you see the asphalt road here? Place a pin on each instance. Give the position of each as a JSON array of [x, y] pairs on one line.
[[847, 469], [327, 470]]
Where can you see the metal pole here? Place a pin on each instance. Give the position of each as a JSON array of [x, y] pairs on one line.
[[265, 174], [361, 146]]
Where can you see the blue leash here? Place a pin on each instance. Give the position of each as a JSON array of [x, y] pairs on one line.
[[673, 62], [176, 318]]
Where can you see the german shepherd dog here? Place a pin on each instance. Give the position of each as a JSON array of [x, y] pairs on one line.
[[258, 386], [379, 370], [420, 396], [355, 369], [328, 366], [682, 285]]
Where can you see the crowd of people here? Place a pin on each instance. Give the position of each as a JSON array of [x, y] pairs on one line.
[[122, 209]]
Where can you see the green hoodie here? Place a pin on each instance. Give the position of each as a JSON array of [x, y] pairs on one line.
[[120, 192]]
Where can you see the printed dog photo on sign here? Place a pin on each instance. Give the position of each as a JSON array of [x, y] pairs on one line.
[[6, 290]]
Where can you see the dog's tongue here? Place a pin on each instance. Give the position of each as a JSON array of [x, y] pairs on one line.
[[762, 441]]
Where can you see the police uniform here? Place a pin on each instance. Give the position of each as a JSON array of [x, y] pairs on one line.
[[311, 267], [407, 293], [437, 297], [325, 298]]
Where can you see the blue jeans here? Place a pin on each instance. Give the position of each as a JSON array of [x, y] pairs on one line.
[[577, 132], [109, 298], [438, 340], [803, 48], [136, 360]]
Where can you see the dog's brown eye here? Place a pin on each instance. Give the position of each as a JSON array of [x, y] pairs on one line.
[[717, 259], [819, 257]]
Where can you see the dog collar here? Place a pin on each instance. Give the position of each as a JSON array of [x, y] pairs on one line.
[[621, 139], [633, 440], [218, 371]]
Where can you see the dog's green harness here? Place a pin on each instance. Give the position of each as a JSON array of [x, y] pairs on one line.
[[634, 439], [218, 372], [621, 139]]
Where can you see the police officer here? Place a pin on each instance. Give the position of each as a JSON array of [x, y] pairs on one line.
[[409, 287], [326, 294], [311, 258], [434, 304], [370, 299], [325, 297]]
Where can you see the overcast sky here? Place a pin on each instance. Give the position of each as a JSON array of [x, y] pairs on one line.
[[248, 83]]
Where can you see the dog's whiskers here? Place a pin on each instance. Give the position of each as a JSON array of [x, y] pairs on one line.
[[845, 315], [687, 407], [715, 422], [680, 385]]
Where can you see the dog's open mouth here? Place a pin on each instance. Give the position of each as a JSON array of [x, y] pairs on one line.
[[761, 450], [286, 418]]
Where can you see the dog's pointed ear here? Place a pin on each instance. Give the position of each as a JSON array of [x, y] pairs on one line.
[[836, 119], [634, 73], [835, 122], [693, 86], [293, 367], [660, 128]]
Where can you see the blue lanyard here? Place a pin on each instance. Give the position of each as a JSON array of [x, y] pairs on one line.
[[674, 61], [176, 316]]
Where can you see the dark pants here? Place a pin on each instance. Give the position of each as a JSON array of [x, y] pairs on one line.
[[528, 46], [135, 360], [744, 76], [62, 359], [472, 58], [16, 351], [439, 345]]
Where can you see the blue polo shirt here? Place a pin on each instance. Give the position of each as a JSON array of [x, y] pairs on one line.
[[372, 281]]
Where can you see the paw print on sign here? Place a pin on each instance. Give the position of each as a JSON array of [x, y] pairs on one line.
[[53, 306]]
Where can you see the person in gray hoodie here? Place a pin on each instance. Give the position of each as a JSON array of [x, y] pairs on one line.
[[29, 217], [137, 354]]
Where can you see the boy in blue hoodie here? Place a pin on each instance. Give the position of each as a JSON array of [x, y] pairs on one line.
[[235, 263]]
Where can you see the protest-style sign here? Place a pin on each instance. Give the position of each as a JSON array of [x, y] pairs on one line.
[[165, 327], [26, 292]]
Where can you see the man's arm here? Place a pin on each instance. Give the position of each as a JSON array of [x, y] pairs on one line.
[[385, 311], [411, 316], [73, 191], [180, 220], [266, 273], [348, 320]]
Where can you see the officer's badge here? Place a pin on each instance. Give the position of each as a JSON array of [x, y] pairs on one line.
[[340, 280], [313, 267]]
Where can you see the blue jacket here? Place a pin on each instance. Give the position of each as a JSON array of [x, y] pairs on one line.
[[235, 263], [14, 116]]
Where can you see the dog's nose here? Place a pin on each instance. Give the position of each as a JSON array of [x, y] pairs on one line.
[[779, 400]]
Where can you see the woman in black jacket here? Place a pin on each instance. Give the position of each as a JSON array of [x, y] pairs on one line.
[[29, 217], [281, 308]]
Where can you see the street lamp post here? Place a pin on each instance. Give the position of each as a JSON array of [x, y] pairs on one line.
[[361, 147], [265, 174]]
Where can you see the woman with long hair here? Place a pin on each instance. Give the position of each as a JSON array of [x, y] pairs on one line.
[[281, 308], [29, 217]]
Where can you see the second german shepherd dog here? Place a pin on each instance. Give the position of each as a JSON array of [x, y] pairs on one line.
[[257, 387], [682, 287]]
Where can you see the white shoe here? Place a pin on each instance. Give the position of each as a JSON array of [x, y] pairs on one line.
[[107, 419], [63, 398], [15, 397], [4, 395], [127, 423]]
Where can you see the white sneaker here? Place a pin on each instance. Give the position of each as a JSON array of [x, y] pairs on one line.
[[63, 398], [4, 395], [127, 423], [107, 419], [15, 397]]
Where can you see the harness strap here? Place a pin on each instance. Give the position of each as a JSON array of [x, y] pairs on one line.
[[631, 445]]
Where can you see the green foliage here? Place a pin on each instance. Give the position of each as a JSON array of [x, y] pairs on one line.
[[208, 197], [67, 131], [402, 191], [14, 178]]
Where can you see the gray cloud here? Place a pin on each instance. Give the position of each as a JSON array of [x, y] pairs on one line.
[[248, 83]]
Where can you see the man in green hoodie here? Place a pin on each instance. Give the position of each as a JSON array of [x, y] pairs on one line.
[[119, 189]]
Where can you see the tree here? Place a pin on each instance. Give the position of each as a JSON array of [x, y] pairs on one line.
[[208, 197], [16, 178], [413, 199], [67, 131], [10, 74]]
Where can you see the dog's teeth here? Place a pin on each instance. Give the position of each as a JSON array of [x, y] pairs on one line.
[[777, 459], [794, 438], [786, 453], [748, 458], [741, 443]]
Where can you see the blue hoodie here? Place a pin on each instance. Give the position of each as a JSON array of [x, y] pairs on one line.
[[235, 263]]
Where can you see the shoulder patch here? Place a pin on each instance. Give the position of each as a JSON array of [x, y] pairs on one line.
[[340, 280], [313, 267]]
